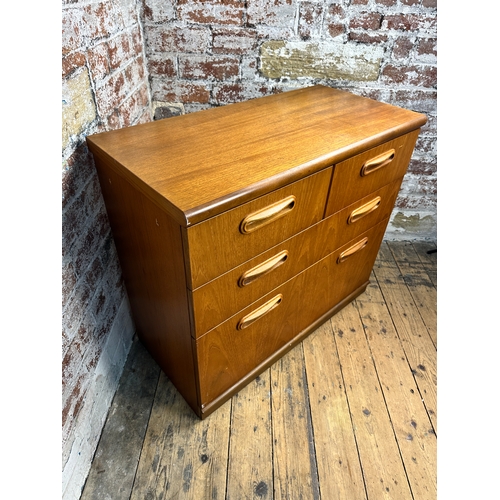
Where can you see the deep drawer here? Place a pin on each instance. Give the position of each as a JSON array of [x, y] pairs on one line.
[[245, 341], [368, 171], [219, 299]]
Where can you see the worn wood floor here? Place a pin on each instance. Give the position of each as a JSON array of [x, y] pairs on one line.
[[348, 414]]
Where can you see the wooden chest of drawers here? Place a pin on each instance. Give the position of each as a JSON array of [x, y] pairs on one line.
[[241, 229]]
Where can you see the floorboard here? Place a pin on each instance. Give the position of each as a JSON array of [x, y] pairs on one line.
[[350, 413]]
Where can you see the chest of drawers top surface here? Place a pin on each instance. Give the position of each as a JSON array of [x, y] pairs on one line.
[[199, 165]]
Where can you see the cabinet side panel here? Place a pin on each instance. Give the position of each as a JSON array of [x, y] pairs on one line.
[[149, 246]]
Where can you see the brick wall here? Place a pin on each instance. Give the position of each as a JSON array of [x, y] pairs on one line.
[[204, 53], [200, 54], [104, 86]]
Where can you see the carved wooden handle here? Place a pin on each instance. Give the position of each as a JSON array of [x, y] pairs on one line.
[[365, 209], [377, 162], [259, 312], [352, 250], [269, 214], [265, 267]]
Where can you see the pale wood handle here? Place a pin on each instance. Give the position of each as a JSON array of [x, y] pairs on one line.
[[352, 250], [259, 312], [377, 162], [269, 214], [365, 209], [265, 267]]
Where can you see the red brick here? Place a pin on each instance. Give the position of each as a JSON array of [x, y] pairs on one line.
[[211, 11], [75, 307], [334, 20], [422, 166], [179, 91], [72, 62], [386, 3], [133, 108], [276, 13], [234, 41], [428, 186], [410, 2], [134, 74], [426, 145], [79, 168], [423, 101], [143, 98], [427, 50], [359, 2], [137, 41], [237, 92], [336, 10], [409, 22], [159, 11], [145, 117], [90, 241], [367, 37], [402, 48], [114, 120], [429, 4], [310, 19], [208, 67], [119, 50], [68, 281], [424, 76], [72, 35], [163, 65], [431, 126], [110, 94], [366, 21], [98, 60], [173, 39], [72, 404], [336, 29], [74, 219], [103, 19]]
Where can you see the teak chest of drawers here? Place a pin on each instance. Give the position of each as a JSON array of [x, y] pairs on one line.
[[241, 229]]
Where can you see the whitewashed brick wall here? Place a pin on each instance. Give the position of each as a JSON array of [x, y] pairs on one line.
[[208, 53], [119, 56], [104, 86]]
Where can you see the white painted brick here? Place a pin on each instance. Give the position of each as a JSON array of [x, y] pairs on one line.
[[92, 416]]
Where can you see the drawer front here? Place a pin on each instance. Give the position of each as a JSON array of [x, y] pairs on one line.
[[223, 242], [368, 171], [223, 297], [245, 341]]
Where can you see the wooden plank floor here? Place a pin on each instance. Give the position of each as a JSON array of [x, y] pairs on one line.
[[348, 414]]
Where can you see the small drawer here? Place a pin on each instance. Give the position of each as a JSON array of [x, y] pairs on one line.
[[248, 339], [219, 299], [225, 241], [368, 171]]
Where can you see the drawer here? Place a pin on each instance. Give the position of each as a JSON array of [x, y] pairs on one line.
[[223, 297], [228, 353], [227, 240], [366, 172]]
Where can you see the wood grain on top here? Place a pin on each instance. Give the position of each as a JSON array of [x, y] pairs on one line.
[[268, 142]]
